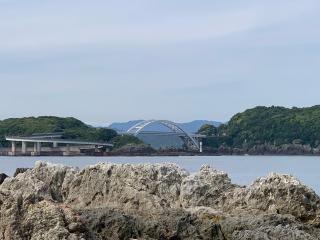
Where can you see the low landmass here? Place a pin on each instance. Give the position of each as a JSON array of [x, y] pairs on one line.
[[71, 128], [266, 130], [257, 131], [160, 201]]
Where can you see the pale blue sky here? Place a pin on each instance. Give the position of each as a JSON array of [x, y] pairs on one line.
[[105, 61]]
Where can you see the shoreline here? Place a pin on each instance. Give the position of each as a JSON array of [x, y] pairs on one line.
[[173, 154]]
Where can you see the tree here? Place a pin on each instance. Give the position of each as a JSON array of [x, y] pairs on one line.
[[208, 130]]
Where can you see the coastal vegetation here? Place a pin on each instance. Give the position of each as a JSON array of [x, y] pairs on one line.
[[268, 126], [260, 130], [123, 140], [208, 130], [71, 128]]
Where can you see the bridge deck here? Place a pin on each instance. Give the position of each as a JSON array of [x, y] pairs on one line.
[[164, 134], [51, 140]]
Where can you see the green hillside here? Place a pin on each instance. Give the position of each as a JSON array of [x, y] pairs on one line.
[[72, 128], [269, 125]]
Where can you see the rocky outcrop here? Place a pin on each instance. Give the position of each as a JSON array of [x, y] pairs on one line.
[[19, 170], [206, 188], [159, 201], [133, 150], [264, 149], [3, 176], [282, 194], [267, 226]]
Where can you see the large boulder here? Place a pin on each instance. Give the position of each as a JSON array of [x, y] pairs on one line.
[[44, 181], [276, 193], [38, 220], [208, 187], [142, 187], [153, 201]]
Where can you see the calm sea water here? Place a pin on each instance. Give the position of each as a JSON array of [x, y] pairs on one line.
[[242, 170]]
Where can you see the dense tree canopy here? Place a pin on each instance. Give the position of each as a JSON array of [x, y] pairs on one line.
[[270, 125], [208, 130], [71, 127], [122, 140]]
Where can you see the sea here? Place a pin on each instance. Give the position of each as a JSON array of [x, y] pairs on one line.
[[242, 170]]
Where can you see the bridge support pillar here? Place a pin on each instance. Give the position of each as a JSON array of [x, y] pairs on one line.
[[55, 144], [39, 147], [23, 147], [36, 149], [13, 148], [67, 151], [200, 147]]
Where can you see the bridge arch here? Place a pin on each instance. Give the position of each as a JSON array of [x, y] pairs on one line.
[[136, 129]]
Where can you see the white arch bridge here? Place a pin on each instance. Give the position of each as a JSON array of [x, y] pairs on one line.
[[193, 141]]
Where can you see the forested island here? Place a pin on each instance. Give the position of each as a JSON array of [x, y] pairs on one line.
[[71, 128], [260, 130], [266, 130]]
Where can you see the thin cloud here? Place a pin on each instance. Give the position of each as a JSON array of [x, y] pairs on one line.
[[43, 30]]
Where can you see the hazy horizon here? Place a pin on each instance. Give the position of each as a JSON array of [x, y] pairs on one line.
[[105, 124], [115, 61]]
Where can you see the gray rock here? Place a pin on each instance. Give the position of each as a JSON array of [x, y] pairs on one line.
[[160, 201], [141, 187], [173, 224], [276, 193], [205, 188], [267, 226], [20, 170], [22, 219], [3, 176]]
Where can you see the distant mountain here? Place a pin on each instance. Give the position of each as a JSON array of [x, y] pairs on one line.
[[195, 125], [190, 127]]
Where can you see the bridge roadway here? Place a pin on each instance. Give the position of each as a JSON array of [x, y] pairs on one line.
[[157, 133], [55, 141]]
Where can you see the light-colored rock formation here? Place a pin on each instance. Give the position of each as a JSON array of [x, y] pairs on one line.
[[276, 193], [160, 201], [267, 226], [208, 187], [134, 187]]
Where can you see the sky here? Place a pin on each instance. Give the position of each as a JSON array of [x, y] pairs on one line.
[[107, 61]]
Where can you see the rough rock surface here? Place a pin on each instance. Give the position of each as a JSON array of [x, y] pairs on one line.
[[282, 194], [205, 188], [3, 176], [19, 170], [160, 201]]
